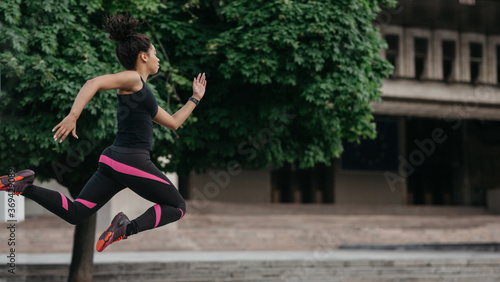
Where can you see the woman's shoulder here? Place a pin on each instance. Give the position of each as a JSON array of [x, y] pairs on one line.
[[134, 82]]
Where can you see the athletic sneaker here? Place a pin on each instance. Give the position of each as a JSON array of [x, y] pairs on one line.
[[115, 232], [18, 182]]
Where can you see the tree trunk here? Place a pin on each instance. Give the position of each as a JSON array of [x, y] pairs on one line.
[[82, 262]]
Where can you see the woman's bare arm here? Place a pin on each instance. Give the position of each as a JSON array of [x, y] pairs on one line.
[[127, 80], [174, 121]]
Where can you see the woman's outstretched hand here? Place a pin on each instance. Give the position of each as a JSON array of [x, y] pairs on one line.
[[64, 128], [199, 85]]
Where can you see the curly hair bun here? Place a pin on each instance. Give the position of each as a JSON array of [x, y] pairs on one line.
[[120, 26]]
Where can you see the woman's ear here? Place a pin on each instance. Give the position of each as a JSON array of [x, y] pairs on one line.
[[143, 56]]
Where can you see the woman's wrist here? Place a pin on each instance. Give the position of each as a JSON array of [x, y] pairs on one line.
[[74, 115], [197, 97], [194, 100]]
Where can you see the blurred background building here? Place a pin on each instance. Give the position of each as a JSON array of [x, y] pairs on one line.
[[438, 137]]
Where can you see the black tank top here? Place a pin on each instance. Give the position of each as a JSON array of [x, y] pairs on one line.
[[135, 113]]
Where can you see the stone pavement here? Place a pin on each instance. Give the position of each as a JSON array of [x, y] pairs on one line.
[[278, 227], [267, 266], [273, 242]]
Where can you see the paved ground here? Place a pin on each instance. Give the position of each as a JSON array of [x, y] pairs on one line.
[[277, 227], [266, 266]]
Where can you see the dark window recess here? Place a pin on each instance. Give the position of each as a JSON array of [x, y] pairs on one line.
[[379, 154], [420, 56], [476, 60], [392, 51], [498, 64], [449, 56]]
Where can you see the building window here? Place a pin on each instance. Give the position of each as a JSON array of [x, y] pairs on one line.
[[448, 48], [420, 56], [392, 51], [476, 59]]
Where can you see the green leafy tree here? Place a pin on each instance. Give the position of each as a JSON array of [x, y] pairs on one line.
[[48, 49], [288, 80]]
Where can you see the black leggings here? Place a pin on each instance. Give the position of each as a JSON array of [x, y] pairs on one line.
[[118, 168]]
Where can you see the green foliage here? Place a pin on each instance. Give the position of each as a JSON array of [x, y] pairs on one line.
[[287, 80], [48, 50]]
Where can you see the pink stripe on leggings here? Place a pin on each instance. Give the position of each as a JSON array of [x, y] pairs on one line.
[[123, 168], [182, 213], [86, 203], [64, 201], [158, 214]]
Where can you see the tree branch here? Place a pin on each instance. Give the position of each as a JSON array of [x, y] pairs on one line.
[[169, 72]]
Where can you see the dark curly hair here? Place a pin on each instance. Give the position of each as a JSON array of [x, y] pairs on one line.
[[122, 28]]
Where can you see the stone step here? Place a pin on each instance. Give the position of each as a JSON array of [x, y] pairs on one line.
[[268, 271], [267, 266]]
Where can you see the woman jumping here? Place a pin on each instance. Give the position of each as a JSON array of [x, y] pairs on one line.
[[127, 162]]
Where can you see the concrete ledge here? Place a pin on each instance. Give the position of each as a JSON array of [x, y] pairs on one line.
[[437, 99], [457, 247], [266, 266], [438, 91], [231, 256]]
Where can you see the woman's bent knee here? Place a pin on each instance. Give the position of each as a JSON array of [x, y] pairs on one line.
[[182, 207]]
